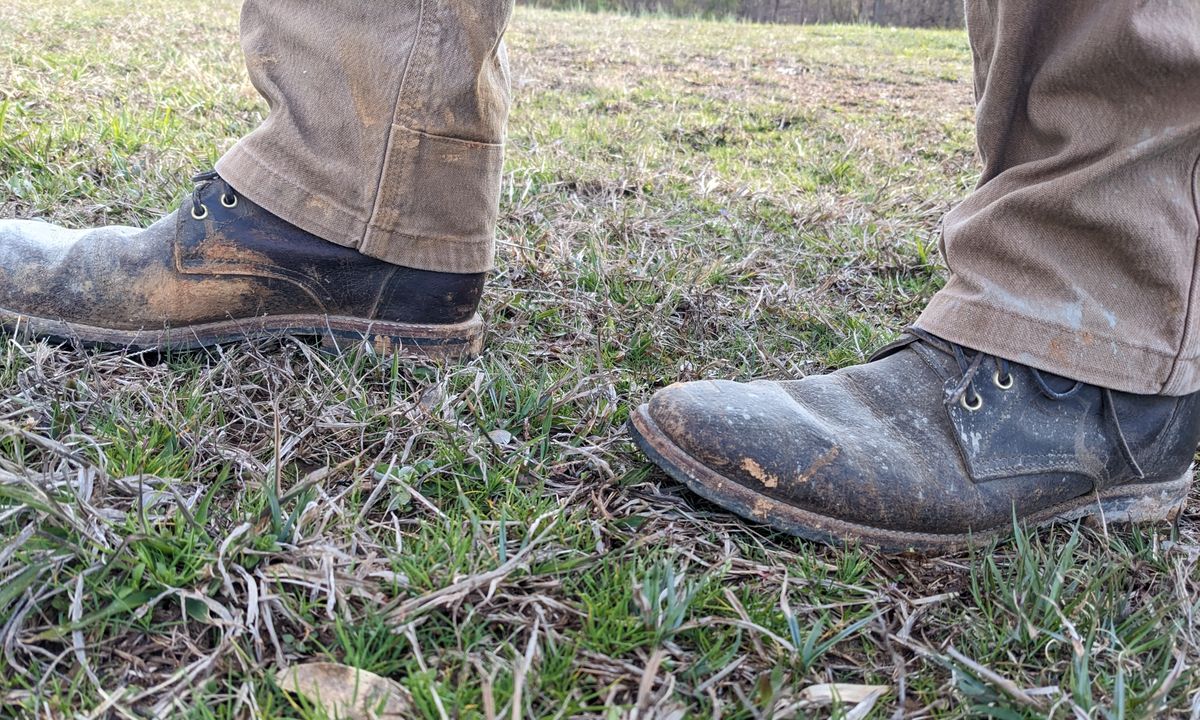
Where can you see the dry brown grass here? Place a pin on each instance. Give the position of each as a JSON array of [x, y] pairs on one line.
[[683, 200]]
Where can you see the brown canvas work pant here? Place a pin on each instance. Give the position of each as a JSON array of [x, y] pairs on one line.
[[1077, 254]]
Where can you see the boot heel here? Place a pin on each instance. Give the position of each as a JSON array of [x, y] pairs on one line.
[[1154, 503]]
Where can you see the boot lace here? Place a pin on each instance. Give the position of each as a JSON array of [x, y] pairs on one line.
[[971, 363], [229, 198]]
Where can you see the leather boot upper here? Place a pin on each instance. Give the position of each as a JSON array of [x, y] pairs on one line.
[[923, 440], [218, 257]]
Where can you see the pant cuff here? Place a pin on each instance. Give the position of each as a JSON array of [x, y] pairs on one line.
[[1080, 354], [321, 215], [306, 208], [437, 203]]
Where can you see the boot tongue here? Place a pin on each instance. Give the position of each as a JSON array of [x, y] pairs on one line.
[[932, 346], [894, 347], [937, 351], [1057, 383]]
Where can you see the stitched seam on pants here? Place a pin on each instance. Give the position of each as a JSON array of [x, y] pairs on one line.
[[1064, 328], [492, 54], [387, 151], [1186, 337], [1020, 101], [396, 234]]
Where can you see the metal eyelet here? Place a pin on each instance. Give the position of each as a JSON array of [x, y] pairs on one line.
[[1002, 384], [971, 407], [200, 215], [231, 203]]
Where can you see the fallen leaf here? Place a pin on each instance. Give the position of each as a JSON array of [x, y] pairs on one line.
[[501, 437], [347, 693], [431, 399], [863, 697]]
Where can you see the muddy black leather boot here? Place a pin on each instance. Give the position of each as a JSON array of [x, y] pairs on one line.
[[929, 446], [222, 269]]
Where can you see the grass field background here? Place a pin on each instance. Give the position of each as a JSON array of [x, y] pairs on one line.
[[683, 200]]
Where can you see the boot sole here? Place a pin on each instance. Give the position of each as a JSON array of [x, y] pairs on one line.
[[1152, 502], [437, 342]]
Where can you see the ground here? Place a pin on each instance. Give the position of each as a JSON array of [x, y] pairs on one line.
[[682, 200]]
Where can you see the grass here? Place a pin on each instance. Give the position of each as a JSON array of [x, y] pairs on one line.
[[683, 200]]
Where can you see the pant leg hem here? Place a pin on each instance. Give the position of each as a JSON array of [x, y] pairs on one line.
[[320, 215], [1080, 354], [437, 203], [311, 211], [436, 254]]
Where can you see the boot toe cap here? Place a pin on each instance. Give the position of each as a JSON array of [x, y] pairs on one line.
[[839, 461], [753, 433]]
